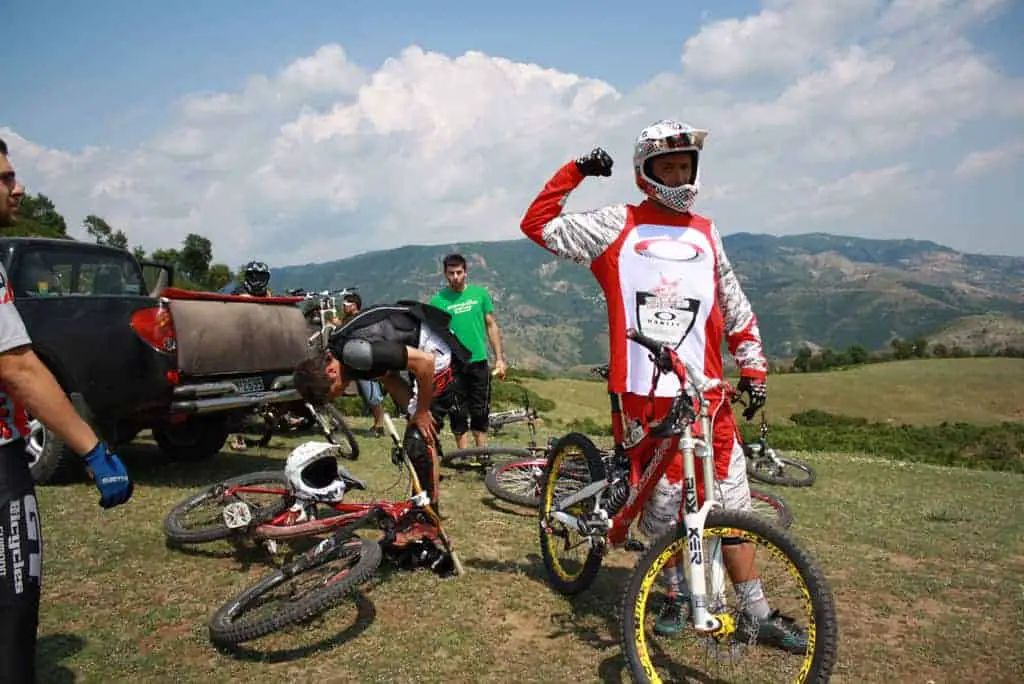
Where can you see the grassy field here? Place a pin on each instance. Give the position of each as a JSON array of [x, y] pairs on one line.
[[983, 390], [925, 563]]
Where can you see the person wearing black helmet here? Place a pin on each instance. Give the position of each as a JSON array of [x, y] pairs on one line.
[[255, 280]]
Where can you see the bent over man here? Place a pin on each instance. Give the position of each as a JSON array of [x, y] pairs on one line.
[[381, 342]]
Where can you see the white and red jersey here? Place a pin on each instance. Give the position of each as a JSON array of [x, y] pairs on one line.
[[13, 419], [664, 273]]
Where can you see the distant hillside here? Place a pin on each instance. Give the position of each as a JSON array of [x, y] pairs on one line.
[[986, 332], [820, 289]]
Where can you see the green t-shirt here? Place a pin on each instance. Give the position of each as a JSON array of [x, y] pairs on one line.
[[467, 309]]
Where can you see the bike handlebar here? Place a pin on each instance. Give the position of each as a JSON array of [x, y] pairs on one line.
[[667, 361]]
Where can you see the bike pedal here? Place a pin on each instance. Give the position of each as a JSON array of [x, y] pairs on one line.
[[635, 545]]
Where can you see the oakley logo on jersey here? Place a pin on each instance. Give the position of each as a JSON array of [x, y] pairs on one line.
[[667, 321], [665, 248]]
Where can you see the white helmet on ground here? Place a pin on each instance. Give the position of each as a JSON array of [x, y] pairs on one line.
[[312, 472], [665, 137]]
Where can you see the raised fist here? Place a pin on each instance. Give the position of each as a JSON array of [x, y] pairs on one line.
[[597, 163]]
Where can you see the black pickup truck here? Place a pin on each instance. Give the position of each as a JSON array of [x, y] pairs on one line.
[[133, 356]]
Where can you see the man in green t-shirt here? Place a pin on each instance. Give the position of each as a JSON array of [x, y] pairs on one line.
[[473, 324]]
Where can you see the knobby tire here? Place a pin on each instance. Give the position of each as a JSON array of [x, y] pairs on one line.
[[228, 625], [635, 600], [174, 523]]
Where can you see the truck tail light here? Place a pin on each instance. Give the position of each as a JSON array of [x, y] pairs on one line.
[[155, 326]]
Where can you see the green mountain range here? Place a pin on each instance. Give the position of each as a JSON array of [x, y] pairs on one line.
[[815, 289]]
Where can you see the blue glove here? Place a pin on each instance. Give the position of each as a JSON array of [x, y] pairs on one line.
[[111, 477]]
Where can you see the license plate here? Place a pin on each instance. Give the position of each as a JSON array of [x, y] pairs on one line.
[[249, 385]]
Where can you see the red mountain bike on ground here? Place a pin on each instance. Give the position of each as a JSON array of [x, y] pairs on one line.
[[589, 507], [412, 535]]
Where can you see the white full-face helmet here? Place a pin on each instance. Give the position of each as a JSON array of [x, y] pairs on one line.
[[665, 137], [312, 472]]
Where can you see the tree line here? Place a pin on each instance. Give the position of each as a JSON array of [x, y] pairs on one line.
[[192, 260], [919, 347]]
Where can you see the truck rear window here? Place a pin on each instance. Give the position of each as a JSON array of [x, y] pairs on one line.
[[64, 272]]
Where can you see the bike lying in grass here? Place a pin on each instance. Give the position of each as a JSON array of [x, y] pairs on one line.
[[412, 535], [766, 465], [484, 457], [598, 515]]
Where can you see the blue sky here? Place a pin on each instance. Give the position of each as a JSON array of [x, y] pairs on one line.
[[128, 60], [118, 77]]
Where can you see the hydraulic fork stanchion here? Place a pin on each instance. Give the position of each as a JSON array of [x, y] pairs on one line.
[[693, 517], [421, 498]]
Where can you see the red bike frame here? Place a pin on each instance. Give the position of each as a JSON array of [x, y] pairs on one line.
[[657, 447], [349, 515]]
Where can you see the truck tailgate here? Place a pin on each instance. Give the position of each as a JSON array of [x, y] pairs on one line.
[[232, 335]]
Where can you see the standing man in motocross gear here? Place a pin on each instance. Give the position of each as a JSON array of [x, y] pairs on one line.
[[664, 271], [255, 280], [382, 342], [25, 383]]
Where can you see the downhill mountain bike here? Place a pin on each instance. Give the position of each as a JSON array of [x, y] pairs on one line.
[[520, 480], [606, 501], [766, 465], [412, 536]]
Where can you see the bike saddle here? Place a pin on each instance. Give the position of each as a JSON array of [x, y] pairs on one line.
[[350, 480]]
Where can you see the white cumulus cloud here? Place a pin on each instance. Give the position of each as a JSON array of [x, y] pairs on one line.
[[821, 114]]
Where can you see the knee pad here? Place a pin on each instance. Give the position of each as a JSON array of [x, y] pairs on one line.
[[422, 463], [416, 449]]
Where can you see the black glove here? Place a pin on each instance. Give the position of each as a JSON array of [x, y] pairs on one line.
[[757, 395], [597, 163]]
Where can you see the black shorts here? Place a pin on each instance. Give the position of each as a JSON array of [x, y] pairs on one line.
[[20, 566], [474, 399]]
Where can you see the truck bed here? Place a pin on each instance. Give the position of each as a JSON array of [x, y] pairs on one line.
[[220, 335]]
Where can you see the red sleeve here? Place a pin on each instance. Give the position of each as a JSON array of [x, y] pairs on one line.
[[579, 236], [548, 204]]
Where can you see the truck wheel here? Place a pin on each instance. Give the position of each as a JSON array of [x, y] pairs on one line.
[[195, 439], [49, 460]]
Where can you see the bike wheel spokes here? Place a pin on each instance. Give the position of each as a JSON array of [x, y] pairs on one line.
[[518, 482], [569, 556], [744, 648], [219, 511], [770, 507], [304, 588]]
